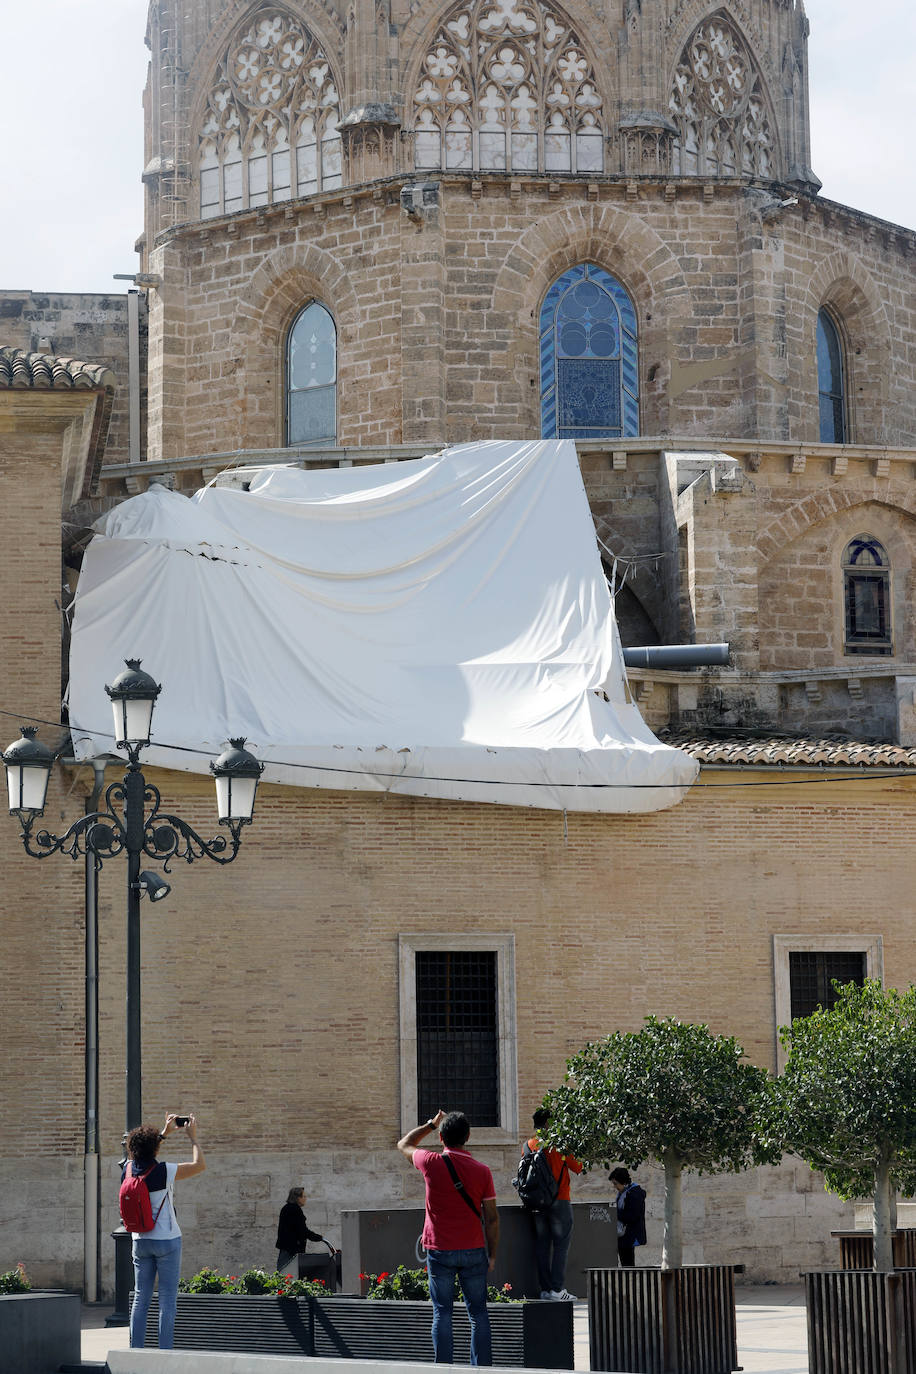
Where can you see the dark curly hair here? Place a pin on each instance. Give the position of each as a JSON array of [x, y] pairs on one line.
[[142, 1143]]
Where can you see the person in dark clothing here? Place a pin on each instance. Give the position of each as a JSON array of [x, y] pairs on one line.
[[631, 1216], [292, 1231]]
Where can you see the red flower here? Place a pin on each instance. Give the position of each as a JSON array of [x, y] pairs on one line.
[[382, 1276]]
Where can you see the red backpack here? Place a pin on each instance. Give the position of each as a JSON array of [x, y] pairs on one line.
[[135, 1204]]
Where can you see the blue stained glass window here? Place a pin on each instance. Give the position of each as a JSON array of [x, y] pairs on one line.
[[311, 378], [830, 388], [589, 360]]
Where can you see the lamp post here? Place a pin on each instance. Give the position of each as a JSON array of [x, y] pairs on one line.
[[132, 823]]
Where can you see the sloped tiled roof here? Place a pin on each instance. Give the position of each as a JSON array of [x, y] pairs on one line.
[[789, 751], [43, 371]]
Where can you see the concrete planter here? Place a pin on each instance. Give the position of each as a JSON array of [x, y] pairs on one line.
[[860, 1322], [535, 1335], [38, 1332], [532, 1334], [663, 1321]]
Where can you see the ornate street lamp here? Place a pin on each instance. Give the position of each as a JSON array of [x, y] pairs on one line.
[[131, 823]]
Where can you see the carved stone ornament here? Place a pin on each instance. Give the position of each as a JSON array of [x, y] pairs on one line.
[[270, 131], [719, 107], [506, 86]]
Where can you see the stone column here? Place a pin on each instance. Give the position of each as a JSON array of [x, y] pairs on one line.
[[423, 287]]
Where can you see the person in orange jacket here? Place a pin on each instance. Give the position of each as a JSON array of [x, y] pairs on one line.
[[553, 1227]]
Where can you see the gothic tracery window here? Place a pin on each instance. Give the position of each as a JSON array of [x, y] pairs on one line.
[[866, 596], [311, 377], [718, 106], [505, 86], [588, 352], [270, 128]]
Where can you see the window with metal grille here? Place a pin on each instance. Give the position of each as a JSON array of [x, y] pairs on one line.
[[811, 977], [458, 1034], [866, 586]]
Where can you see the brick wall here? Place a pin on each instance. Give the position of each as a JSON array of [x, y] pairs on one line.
[[270, 994]]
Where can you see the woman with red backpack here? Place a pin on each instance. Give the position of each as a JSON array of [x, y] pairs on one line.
[[148, 1211]]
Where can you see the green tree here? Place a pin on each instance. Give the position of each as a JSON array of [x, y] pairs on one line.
[[672, 1092], [847, 1098]]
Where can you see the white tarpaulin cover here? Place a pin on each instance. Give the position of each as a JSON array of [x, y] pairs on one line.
[[440, 627]]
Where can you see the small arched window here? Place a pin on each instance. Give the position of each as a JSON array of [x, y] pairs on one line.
[[831, 389], [311, 377], [866, 596], [589, 371]]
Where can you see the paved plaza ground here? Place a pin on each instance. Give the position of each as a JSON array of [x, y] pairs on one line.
[[771, 1331]]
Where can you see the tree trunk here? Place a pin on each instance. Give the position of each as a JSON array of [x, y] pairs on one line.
[[881, 1218], [673, 1243]]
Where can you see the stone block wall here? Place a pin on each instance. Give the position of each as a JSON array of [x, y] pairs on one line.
[[90, 327], [437, 316]]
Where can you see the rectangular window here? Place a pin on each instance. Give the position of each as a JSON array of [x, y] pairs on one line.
[[232, 186], [257, 180], [457, 1033], [458, 1044], [209, 192], [811, 977], [280, 168], [867, 629], [804, 965]]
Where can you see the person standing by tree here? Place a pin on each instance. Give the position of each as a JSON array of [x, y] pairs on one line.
[[631, 1216], [553, 1225], [461, 1231]]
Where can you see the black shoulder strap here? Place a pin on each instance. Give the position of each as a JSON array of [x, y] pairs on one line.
[[459, 1186]]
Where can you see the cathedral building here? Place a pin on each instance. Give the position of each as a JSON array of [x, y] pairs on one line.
[[377, 227]]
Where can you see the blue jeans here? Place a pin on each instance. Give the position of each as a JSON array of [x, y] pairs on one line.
[[152, 1257], [471, 1269], [553, 1232]]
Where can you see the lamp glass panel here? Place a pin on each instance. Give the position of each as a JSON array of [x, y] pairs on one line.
[[132, 719], [235, 798], [28, 787]]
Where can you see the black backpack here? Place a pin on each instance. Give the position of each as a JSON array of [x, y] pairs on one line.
[[535, 1182]]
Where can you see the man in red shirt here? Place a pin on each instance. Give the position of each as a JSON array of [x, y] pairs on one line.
[[553, 1227], [461, 1231]]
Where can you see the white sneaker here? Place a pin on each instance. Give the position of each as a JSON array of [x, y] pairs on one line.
[[563, 1296], [548, 1295]]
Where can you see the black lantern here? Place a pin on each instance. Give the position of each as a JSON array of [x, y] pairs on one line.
[[236, 772], [28, 768], [133, 695]]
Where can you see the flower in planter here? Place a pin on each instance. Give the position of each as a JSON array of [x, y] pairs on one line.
[[15, 1280], [253, 1283]]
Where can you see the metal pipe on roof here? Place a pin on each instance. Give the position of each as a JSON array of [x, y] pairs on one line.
[[677, 656]]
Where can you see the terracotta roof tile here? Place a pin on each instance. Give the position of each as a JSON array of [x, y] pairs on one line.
[[43, 371], [789, 751]]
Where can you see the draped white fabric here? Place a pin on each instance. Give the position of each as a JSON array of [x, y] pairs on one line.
[[439, 627]]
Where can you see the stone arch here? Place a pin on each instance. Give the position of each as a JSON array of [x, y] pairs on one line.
[[628, 248], [323, 26], [685, 22], [285, 281], [688, 15], [841, 283], [801, 583], [819, 506], [421, 28]]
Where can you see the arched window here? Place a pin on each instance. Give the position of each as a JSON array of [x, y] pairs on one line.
[[831, 390], [589, 372], [866, 595], [311, 378], [269, 132], [718, 106], [507, 87]]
